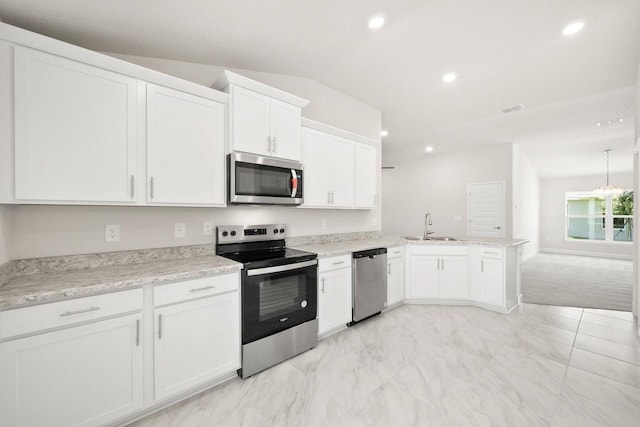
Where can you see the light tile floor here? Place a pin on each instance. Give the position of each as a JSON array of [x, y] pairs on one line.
[[422, 365]]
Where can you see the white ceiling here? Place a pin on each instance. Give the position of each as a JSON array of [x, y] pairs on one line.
[[505, 52]]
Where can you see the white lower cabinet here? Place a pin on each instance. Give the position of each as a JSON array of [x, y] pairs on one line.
[[438, 272], [395, 275], [334, 293], [197, 340], [84, 375], [488, 275]]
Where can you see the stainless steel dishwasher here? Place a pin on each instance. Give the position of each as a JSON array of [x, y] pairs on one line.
[[369, 283]]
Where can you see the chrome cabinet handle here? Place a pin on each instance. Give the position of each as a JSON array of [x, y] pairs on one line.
[[274, 139], [332, 200], [138, 333], [438, 263], [397, 252], [151, 187], [159, 326], [497, 227], [133, 191], [268, 144], [204, 288], [338, 263], [86, 310], [481, 266], [443, 263], [388, 268], [322, 288], [328, 197]]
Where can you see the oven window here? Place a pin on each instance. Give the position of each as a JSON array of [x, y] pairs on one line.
[[262, 180], [279, 296]]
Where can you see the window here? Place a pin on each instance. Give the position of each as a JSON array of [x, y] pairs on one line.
[[599, 217]]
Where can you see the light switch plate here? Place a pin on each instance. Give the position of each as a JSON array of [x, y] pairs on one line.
[[180, 230]]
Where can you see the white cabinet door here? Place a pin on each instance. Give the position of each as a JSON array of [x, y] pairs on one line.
[[334, 299], [316, 161], [425, 276], [491, 282], [285, 130], [454, 277], [185, 148], [395, 280], [250, 121], [341, 173], [75, 131], [366, 194], [81, 376], [195, 342]]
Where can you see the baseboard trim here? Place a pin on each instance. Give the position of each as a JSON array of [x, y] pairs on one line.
[[586, 253]]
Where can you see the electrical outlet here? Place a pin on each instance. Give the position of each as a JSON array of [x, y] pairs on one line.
[[112, 233], [207, 228], [324, 224], [180, 230]]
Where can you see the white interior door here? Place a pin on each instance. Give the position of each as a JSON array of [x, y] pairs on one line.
[[485, 206]]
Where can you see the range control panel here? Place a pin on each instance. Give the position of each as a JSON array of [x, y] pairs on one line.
[[250, 233]]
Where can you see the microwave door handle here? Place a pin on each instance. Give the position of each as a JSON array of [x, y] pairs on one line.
[[294, 183]]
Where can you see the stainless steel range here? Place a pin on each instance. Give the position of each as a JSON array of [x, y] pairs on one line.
[[279, 294]]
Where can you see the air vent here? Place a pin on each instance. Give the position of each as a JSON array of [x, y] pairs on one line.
[[513, 108]]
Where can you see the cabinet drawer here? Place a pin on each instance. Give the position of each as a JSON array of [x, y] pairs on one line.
[[64, 313], [489, 252], [196, 288], [334, 263], [438, 250], [395, 252]]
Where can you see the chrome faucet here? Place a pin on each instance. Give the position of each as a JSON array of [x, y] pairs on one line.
[[427, 223]]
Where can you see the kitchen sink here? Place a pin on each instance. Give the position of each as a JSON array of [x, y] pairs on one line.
[[439, 239]]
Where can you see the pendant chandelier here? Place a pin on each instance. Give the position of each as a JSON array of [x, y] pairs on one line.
[[608, 189]]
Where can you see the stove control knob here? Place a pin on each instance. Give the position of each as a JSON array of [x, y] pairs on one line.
[[303, 304], [282, 230], [225, 234], [275, 231], [233, 233]]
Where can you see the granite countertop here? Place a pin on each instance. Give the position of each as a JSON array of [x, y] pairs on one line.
[[51, 286], [345, 247]]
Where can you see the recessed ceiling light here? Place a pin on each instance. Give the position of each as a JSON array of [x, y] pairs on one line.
[[376, 22], [449, 77], [428, 149], [610, 122], [572, 28], [384, 133]]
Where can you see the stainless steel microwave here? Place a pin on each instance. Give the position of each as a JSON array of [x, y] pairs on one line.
[[261, 180]]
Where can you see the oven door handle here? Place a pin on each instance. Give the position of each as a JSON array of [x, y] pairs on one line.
[[279, 268]]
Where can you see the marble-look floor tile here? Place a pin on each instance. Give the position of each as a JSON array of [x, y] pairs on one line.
[[553, 320], [621, 397], [617, 370], [551, 333], [622, 315], [606, 333], [536, 344], [158, 419], [610, 322], [574, 411], [626, 353], [389, 406], [571, 312]]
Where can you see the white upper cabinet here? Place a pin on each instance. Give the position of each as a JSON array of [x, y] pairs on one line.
[[263, 120], [366, 176], [185, 148], [328, 170], [75, 131]]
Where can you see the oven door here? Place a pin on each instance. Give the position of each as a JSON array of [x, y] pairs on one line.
[[263, 180], [278, 298]]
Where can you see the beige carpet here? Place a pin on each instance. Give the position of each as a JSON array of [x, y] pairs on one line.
[[578, 281]]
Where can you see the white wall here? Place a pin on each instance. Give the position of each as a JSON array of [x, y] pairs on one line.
[[526, 196], [5, 233], [39, 231], [438, 184], [636, 217], [552, 217]]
